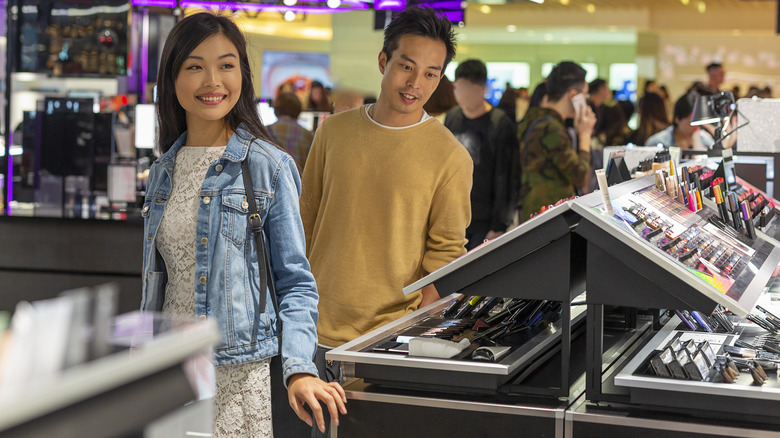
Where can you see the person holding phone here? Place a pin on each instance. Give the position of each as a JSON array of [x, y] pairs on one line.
[[550, 167]]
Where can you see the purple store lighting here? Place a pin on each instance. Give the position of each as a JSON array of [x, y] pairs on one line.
[[445, 5], [9, 181], [390, 5], [156, 3], [259, 7]]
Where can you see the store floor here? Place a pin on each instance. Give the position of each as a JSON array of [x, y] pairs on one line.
[[194, 420]]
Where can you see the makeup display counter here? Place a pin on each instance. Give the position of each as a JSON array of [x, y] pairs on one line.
[[119, 394], [653, 253], [644, 265], [521, 373]]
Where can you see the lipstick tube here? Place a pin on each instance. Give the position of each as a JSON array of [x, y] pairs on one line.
[[698, 200], [721, 206]]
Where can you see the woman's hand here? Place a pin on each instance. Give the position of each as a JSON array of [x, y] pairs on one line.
[[307, 389]]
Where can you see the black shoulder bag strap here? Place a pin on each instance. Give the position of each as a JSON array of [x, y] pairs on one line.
[[263, 261]]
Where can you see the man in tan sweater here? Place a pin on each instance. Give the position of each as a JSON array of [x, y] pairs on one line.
[[386, 189]]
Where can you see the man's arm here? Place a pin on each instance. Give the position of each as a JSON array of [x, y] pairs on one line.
[[450, 215], [311, 194]]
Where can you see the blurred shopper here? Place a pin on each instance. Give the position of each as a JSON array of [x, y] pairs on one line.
[[652, 118], [508, 102], [680, 133], [318, 98], [386, 190], [488, 134], [441, 101], [291, 136], [550, 167], [598, 93], [345, 100], [610, 130], [715, 77]]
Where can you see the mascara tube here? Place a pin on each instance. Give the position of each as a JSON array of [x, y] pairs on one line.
[[453, 308], [719, 201], [466, 310], [749, 227], [733, 207]]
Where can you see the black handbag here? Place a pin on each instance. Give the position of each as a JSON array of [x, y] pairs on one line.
[[263, 260]]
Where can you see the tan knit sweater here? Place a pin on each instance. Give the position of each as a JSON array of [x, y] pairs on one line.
[[381, 207]]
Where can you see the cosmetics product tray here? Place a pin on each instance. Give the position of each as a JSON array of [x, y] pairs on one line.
[[744, 396]]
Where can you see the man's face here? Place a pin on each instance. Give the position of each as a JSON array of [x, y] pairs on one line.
[[467, 93], [716, 75], [410, 77]]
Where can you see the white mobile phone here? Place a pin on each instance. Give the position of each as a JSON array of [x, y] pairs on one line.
[[579, 103]]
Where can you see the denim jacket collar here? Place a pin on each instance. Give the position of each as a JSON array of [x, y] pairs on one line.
[[236, 151]]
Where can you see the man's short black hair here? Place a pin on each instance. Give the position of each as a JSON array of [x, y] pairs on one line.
[[596, 85], [424, 22], [472, 70], [563, 77], [713, 66]]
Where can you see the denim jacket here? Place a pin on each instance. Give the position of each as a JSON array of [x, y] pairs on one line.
[[226, 282]]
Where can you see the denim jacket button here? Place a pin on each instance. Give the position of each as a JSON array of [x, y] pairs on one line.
[[218, 168], [244, 205], [206, 200], [202, 280], [146, 208], [204, 240], [202, 316]]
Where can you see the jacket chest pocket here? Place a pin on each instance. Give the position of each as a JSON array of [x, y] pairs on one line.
[[235, 216]]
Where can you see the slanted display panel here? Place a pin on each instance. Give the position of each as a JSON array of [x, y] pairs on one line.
[[695, 247]]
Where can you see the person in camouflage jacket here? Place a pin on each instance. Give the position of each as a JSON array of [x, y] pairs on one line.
[[550, 167]]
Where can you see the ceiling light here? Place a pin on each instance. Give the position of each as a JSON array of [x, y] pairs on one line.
[[685, 2], [290, 2], [548, 37], [485, 9], [565, 2], [511, 28], [334, 3], [591, 8], [538, 1], [702, 7], [289, 16]]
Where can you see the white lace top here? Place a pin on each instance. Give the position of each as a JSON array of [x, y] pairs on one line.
[[243, 397]]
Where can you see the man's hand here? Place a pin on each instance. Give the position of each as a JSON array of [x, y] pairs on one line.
[[307, 389], [429, 295], [584, 124]]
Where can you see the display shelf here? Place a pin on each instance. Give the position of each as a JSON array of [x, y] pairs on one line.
[[116, 395], [625, 269], [515, 265]]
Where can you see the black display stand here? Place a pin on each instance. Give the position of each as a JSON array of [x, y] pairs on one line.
[[541, 261]]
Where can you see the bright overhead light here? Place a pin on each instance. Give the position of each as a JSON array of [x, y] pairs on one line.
[[334, 3], [485, 9], [511, 28], [702, 7], [538, 1], [685, 2], [591, 8], [289, 16], [290, 2], [565, 2]]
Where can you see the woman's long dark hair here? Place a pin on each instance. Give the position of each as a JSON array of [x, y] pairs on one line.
[[185, 36]]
